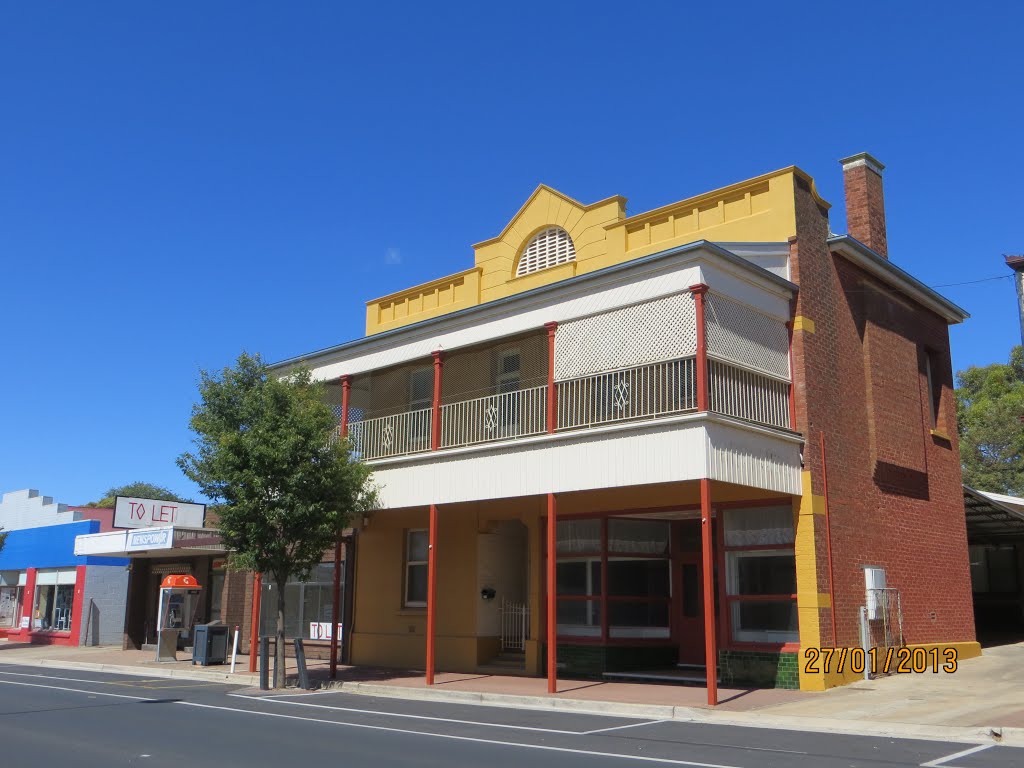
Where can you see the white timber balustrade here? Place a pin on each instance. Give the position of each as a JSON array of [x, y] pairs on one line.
[[748, 394], [633, 393], [395, 435], [503, 416]]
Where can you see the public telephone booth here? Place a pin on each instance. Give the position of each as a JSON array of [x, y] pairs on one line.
[[179, 601]]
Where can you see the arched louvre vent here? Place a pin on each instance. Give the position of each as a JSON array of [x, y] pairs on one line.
[[547, 248]]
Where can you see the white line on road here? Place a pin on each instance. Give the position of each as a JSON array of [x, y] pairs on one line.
[[620, 727], [76, 690], [544, 747], [440, 719], [129, 681], [972, 751]]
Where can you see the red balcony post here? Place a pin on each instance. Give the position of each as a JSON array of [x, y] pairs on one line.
[[431, 591], [254, 624], [552, 391], [346, 391], [710, 644], [552, 605], [336, 608], [435, 421], [698, 291]]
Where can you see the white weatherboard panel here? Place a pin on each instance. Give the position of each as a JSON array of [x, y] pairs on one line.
[[655, 452], [755, 459], [736, 285]]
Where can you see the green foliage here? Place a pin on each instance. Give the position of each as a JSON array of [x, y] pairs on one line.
[[990, 409], [138, 491], [3, 539], [265, 449]]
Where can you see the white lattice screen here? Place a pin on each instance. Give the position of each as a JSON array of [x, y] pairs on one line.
[[742, 335], [658, 330], [548, 248]]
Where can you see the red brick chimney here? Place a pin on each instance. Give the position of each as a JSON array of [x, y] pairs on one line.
[[865, 205]]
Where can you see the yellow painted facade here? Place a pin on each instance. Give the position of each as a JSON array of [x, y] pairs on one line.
[[761, 209], [386, 634]]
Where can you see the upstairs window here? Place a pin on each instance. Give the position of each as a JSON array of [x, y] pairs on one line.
[[548, 248]]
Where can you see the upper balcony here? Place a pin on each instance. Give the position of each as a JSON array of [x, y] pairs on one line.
[[633, 363], [587, 373]]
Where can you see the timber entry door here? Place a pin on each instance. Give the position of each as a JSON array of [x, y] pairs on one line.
[[688, 605]]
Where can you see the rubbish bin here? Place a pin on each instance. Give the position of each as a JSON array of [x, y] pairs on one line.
[[210, 644]]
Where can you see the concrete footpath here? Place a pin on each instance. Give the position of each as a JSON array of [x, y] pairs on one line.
[[982, 701]]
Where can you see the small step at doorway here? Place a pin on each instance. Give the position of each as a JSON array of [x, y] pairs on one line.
[[686, 674], [506, 663]]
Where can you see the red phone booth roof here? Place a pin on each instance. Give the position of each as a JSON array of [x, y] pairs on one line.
[[179, 581]]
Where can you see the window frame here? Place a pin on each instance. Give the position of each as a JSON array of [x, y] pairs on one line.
[[730, 560], [408, 563], [605, 632]]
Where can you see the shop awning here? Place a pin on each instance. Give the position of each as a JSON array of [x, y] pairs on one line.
[[162, 541]]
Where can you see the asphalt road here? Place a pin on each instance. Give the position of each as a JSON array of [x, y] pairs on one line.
[[94, 720]]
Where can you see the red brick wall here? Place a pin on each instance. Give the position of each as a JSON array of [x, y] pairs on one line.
[[894, 488]]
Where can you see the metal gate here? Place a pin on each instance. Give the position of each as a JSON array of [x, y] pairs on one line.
[[881, 622], [515, 625]]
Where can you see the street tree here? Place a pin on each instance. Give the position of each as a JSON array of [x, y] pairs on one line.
[[3, 539], [266, 449], [990, 416], [138, 491]]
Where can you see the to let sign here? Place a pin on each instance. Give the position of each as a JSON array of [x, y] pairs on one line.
[[148, 513]]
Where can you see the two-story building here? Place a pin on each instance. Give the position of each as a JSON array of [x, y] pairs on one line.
[[686, 438]]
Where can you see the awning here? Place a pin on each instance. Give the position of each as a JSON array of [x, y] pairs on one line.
[[162, 541], [989, 520]]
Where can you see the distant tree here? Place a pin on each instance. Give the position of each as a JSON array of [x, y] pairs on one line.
[[3, 539], [139, 491], [265, 447], [990, 415]]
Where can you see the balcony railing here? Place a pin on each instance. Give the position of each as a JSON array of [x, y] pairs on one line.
[[633, 393], [642, 392], [496, 417], [748, 395], [395, 435]]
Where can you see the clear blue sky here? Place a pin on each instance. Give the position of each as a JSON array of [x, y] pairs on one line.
[[181, 181]]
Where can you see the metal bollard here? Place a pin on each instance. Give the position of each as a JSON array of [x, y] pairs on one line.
[[264, 663], [300, 662]]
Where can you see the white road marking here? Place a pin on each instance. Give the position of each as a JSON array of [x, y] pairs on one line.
[[972, 751], [620, 727], [451, 737], [443, 719], [76, 690], [130, 681]]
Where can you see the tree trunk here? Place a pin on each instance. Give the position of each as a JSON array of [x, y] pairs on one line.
[[280, 671]]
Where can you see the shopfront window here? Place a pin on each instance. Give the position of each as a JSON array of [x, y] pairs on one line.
[[309, 605], [761, 574], [12, 583], [632, 599], [54, 599]]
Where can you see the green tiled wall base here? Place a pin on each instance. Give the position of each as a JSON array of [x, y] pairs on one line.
[[765, 669]]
